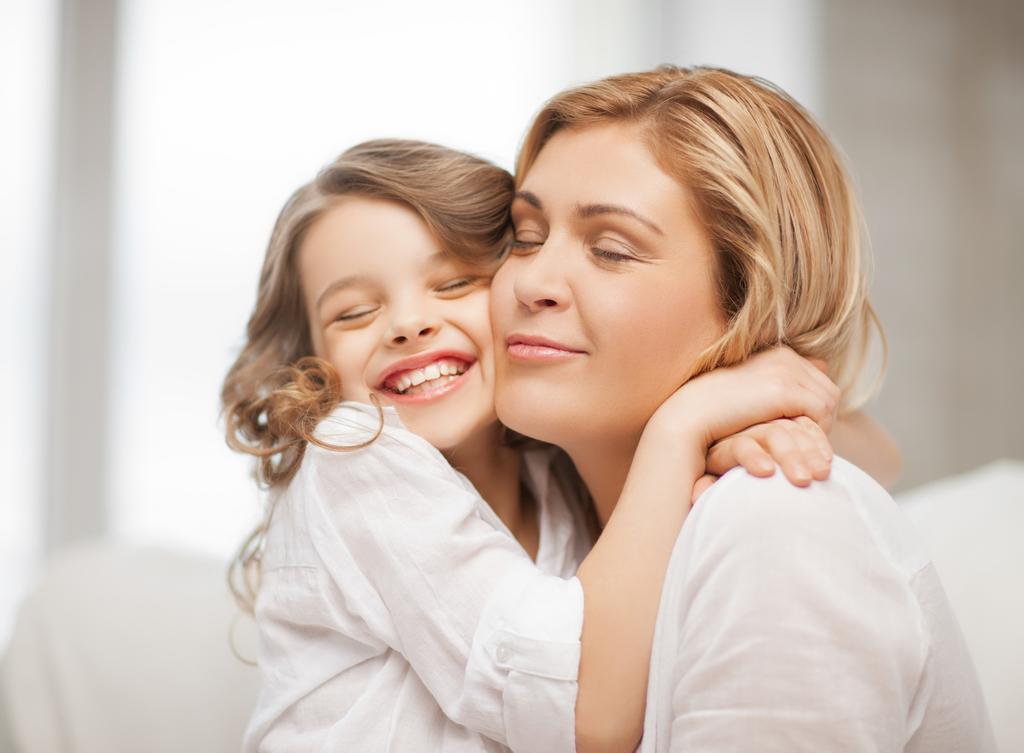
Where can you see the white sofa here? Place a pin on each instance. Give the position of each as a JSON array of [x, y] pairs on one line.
[[974, 525], [124, 650]]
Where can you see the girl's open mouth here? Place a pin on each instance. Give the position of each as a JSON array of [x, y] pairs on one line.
[[428, 382]]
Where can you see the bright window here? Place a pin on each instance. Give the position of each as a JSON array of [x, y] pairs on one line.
[[226, 107], [26, 110]]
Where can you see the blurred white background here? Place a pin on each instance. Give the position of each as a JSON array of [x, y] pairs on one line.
[[146, 146]]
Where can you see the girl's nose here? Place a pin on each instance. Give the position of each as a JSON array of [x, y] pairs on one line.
[[413, 327]]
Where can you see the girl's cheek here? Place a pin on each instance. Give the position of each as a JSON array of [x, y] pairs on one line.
[[500, 291]]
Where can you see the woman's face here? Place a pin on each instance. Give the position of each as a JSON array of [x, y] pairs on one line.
[[608, 295]]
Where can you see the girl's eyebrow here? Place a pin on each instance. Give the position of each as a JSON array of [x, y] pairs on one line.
[[340, 284], [585, 211], [350, 281], [436, 259]]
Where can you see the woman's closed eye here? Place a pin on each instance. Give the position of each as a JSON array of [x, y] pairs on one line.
[[519, 244], [614, 251], [612, 256]]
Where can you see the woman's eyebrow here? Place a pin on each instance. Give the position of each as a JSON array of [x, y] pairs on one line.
[[585, 211], [593, 210], [530, 198]]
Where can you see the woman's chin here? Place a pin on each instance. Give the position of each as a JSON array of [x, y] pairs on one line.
[[568, 416], [541, 414], [517, 412]]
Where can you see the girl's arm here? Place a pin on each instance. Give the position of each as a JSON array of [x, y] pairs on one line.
[[415, 561], [623, 574]]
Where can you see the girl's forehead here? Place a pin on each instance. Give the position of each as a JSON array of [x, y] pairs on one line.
[[371, 237]]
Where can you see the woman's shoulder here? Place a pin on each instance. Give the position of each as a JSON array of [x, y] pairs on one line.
[[849, 504]]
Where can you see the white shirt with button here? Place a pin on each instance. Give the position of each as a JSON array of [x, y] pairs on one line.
[[398, 613]]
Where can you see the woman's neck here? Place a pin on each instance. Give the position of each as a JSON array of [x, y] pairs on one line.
[[493, 468], [604, 466]]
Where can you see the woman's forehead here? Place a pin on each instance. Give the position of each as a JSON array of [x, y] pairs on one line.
[[605, 166]]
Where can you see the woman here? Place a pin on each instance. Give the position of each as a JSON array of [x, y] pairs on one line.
[[666, 223]]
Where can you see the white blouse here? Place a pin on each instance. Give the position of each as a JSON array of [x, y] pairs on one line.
[[398, 613], [804, 620]]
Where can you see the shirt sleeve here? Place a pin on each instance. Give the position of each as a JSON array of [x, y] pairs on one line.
[[784, 626], [494, 640]]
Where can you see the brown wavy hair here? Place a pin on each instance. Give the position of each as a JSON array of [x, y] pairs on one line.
[[773, 194], [277, 391]]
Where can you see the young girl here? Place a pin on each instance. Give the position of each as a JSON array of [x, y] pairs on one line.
[[398, 610]]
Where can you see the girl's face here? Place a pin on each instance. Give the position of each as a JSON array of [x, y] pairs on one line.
[[399, 318], [608, 295]]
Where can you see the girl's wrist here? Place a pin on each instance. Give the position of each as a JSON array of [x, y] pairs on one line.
[[680, 430]]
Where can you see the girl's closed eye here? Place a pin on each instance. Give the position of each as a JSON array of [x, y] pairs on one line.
[[458, 285], [354, 314]]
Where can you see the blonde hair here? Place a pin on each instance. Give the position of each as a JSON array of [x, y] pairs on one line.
[[772, 192], [276, 392]]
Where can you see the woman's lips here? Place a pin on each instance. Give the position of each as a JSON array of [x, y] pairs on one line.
[[533, 348]]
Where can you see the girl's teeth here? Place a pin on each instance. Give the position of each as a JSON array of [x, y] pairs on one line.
[[428, 386], [437, 370]]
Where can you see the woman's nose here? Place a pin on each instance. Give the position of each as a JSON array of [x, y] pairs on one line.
[[541, 280]]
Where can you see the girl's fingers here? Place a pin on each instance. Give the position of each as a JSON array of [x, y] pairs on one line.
[[823, 404], [740, 449], [826, 394], [780, 442], [820, 437], [807, 438], [815, 394], [831, 396], [754, 458]]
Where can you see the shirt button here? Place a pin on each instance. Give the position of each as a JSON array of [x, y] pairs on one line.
[[503, 653]]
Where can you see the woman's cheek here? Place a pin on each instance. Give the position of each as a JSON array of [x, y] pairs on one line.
[[652, 333]]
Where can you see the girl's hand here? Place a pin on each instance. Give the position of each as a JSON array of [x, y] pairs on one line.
[[797, 445], [773, 384]]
